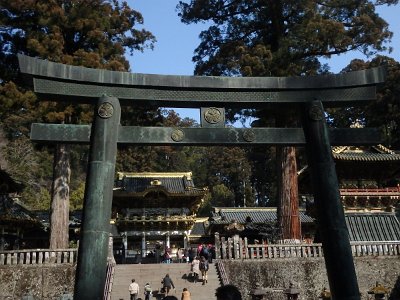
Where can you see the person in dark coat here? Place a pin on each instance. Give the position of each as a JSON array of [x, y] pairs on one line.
[[167, 284]]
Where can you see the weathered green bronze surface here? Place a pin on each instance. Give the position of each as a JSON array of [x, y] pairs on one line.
[[72, 83], [93, 248], [330, 215], [74, 92], [52, 81], [56, 71], [64, 133]]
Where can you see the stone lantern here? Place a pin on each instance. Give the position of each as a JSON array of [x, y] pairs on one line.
[[379, 291], [292, 292], [259, 293], [325, 294]]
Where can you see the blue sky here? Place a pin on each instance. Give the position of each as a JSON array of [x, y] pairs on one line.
[[176, 41]]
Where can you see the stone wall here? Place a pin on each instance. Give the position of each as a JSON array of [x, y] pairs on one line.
[[46, 282], [310, 274]]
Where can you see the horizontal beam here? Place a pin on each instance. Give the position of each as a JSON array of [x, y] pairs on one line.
[[59, 82], [64, 133], [56, 71], [80, 92]]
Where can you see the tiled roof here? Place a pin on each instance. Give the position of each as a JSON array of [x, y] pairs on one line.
[[8, 184], [173, 183], [257, 215], [198, 229], [10, 210], [373, 226], [374, 153]]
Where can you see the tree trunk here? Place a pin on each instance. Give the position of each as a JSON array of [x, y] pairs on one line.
[[59, 218], [288, 195]]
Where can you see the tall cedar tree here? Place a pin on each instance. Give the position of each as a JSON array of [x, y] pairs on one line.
[[93, 33], [383, 113], [282, 38]]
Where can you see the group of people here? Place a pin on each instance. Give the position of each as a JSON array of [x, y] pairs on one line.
[[184, 255], [199, 260], [226, 292], [199, 266], [167, 283]]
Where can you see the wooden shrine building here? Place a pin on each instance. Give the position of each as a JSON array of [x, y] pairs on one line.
[[152, 212], [369, 191], [19, 227]]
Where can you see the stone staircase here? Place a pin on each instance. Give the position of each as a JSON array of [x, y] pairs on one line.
[[153, 273]]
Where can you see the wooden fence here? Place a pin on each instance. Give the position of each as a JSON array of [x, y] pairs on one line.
[[238, 248], [38, 256]]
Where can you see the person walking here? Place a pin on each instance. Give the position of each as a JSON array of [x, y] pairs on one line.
[[192, 254], [134, 290], [179, 254], [186, 294], [167, 284], [195, 269], [204, 266], [204, 251], [147, 291]]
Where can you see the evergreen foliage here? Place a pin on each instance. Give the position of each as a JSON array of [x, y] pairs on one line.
[[245, 38]]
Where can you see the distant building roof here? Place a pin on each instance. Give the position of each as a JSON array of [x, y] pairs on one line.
[[224, 215], [12, 211], [373, 226], [8, 184], [372, 153], [198, 229], [171, 183]]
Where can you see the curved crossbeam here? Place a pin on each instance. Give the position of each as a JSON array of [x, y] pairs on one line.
[[65, 82]]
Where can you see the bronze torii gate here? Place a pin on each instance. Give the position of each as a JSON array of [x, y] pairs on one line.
[[107, 89]]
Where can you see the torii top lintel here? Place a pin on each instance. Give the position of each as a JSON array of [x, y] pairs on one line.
[[55, 81]]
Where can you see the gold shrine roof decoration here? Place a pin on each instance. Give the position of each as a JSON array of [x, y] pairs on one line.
[[367, 154], [158, 190], [173, 184]]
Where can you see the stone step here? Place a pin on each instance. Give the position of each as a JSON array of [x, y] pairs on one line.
[[154, 273]]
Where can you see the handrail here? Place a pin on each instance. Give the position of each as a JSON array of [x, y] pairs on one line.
[[109, 278], [222, 272]]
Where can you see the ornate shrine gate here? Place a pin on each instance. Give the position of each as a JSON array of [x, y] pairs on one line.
[[58, 82]]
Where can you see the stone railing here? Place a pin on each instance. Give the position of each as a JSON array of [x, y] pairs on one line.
[[38, 256], [375, 248], [222, 273], [237, 248], [109, 279], [110, 271]]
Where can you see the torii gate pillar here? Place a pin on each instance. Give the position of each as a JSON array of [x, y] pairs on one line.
[[330, 214], [93, 249]]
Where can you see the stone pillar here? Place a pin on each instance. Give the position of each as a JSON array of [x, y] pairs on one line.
[[236, 247], [167, 241], [217, 244], [144, 248], [125, 244], [185, 240]]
